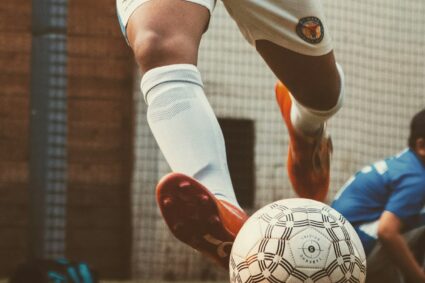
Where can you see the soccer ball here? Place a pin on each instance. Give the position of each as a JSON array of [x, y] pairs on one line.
[[297, 240]]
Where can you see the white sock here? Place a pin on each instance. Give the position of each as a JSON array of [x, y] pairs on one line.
[[186, 128], [308, 121]]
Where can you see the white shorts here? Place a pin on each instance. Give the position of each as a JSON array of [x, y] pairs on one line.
[[298, 25], [125, 8]]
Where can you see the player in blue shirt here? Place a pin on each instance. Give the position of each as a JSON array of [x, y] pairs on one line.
[[385, 202]]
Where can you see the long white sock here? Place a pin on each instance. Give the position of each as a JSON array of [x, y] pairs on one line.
[[186, 128], [309, 121]]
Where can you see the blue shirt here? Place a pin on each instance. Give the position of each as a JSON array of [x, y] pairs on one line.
[[396, 184]]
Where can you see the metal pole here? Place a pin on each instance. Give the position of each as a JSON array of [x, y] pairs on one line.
[[48, 129]]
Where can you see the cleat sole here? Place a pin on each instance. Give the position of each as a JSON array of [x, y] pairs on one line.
[[194, 216]]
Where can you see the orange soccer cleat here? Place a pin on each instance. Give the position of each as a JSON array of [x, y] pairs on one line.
[[308, 157], [197, 218]]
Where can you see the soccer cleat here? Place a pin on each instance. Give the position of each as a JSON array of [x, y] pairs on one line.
[[197, 218], [308, 157]]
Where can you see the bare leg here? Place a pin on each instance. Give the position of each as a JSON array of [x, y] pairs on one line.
[[312, 80], [197, 201], [315, 85], [165, 32]]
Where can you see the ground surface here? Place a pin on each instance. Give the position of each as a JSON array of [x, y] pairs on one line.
[[135, 281]]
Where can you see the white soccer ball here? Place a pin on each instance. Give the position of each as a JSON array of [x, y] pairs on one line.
[[297, 240]]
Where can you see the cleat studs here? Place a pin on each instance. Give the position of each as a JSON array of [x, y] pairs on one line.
[[204, 199], [214, 220], [184, 185], [166, 202]]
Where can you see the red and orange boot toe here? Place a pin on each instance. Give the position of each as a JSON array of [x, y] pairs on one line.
[[308, 161], [197, 218]]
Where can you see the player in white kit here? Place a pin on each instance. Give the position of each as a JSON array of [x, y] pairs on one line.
[[197, 200]]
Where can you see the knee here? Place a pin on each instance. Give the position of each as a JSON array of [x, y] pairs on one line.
[[324, 94], [334, 92], [148, 47], [153, 49], [327, 97]]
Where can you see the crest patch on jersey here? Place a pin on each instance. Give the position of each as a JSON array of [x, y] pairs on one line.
[[310, 29]]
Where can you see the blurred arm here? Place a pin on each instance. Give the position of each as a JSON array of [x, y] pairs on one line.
[[389, 233]]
